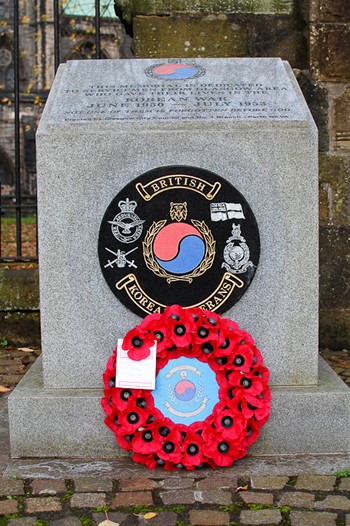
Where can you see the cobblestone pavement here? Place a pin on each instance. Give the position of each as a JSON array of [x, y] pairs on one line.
[[174, 500]]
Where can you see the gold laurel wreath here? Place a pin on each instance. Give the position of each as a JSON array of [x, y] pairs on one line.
[[152, 264]]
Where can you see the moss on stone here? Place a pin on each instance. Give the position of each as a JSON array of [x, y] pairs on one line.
[[161, 37], [132, 8]]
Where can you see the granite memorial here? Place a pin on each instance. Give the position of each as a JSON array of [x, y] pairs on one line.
[[219, 151]]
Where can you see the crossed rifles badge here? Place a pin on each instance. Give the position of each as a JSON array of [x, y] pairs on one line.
[[178, 234]]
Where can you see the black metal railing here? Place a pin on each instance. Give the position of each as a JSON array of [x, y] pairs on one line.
[[18, 210]]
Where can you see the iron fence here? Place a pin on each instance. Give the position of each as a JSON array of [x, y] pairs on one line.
[[18, 208]]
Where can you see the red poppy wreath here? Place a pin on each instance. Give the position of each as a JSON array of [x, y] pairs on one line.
[[211, 397]]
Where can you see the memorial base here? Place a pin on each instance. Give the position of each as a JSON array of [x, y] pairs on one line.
[[69, 422]]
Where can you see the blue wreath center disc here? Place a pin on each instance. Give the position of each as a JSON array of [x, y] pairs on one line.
[[186, 391]]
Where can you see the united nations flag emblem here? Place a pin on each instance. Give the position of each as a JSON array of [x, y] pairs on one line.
[[167, 238]]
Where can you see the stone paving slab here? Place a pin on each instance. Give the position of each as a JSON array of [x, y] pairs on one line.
[[260, 517], [252, 497], [309, 518], [297, 499], [89, 484], [88, 500], [48, 487], [11, 487], [316, 482], [22, 521], [66, 521], [269, 482], [333, 502], [166, 518], [42, 504], [209, 518]]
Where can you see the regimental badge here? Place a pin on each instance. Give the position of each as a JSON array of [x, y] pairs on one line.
[[236, 252], [126, 226], [194, 241]]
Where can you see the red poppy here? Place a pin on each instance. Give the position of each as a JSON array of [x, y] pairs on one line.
[[229, 336], [231, 425], [171, 448], [248, 405], [222, 450], [124, 439], [207, 332], [122, 398], [159, 329], [112, 421], [148, 460], [192, 450], [262, 372], [248, 381], [150, 320], [242, 357], [262, 412], [109, 376], [147, 441], [170, 466], [246, 337], [107, 405], [181, 325], [258, 359], [132, 417], [252, 433], [138, 343]]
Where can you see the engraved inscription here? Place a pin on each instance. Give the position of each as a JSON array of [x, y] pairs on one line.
[[226, 100]]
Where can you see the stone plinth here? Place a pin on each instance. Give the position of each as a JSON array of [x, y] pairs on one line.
[[304, 420], [97, 135], [107, 122]]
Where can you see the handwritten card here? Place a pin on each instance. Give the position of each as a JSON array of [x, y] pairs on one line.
[[135, 374]]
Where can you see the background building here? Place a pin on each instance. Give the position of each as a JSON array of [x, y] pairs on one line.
[[37, 69]]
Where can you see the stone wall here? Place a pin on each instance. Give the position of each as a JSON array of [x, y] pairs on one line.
[[329, 30], [314, 36]]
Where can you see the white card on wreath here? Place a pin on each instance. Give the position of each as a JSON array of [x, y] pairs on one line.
[[135, 374]]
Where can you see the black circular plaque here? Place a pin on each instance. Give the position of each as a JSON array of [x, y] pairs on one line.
[[178, 235]]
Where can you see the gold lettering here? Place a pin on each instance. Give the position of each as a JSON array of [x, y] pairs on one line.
[[167, 182], [138, 296], [144, 301]]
